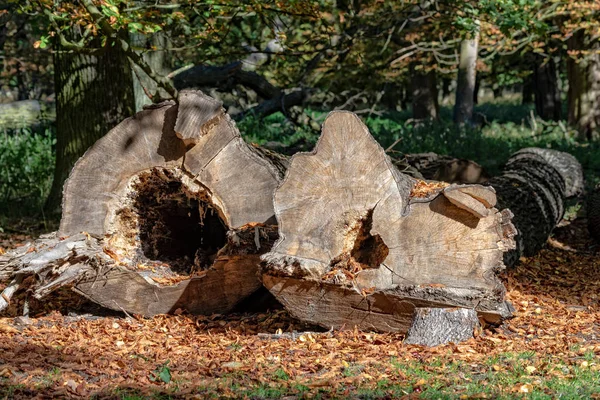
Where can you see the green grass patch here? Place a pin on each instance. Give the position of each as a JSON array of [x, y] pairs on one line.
[[26, 170]]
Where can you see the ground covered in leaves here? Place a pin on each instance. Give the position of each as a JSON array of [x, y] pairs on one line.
[[551, 348]]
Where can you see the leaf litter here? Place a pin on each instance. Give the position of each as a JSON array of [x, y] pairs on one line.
[[59, 352]]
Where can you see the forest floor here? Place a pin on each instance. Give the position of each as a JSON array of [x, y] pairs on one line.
[[551, 349]]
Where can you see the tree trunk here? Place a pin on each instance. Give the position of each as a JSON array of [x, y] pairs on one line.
[[93, 94], [424, 94], [593, 213], [546, 91], [476, 90], [175, 210], [465, 85], [527, 90], [534, 185], [145, 89], [435, 326], [363, 245], [584, 87]]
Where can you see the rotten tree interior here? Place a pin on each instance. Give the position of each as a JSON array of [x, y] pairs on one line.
[[172, 223]]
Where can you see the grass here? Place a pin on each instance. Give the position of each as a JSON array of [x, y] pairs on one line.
[[504, 376]]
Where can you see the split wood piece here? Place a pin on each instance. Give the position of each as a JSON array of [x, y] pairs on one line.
[[434, 326], [167, 189], [84, 262], [356, 248], [534, 185]]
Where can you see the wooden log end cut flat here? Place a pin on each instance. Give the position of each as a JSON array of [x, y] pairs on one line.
[[435, 326]]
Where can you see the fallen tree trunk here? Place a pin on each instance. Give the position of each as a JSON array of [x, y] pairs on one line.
[[171, 209], [363, 245], [534, 185]]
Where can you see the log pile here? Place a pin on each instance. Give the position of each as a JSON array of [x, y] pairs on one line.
[[170, 210]]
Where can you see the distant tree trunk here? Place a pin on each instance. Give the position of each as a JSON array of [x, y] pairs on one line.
[[145, 89], [424, 94], [527, 91], [584, 87], [446, 87], [465, 85], [406, 96], [476, 90], [93, 94], [497, 90], [546, 90], [392, 96]]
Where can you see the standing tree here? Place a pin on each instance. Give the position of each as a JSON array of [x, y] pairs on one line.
[[546, 90], [424, 94], [465, 85], [583, 71], [94, 93]]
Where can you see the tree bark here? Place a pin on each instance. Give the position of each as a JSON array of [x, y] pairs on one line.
[[175, 210], [546, 91], [93, 94], [434, 326], [465, 85], [534, 185], [145, 89], [363, 245], [584, 87], [527, 90], [424, 94], [593, 213], [476, 90]]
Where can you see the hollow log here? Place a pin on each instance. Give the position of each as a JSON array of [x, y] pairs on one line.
[[534, 185], [170, 210], [361, 244]]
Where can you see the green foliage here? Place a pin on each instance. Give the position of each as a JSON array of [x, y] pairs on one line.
[[162, 373], [26, 170], [510, 129]]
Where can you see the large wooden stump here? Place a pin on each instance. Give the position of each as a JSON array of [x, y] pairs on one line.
[[534, 185], [363, 245], [171, 209]]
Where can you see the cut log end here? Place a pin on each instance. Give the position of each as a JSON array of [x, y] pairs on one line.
[[435, 326]]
